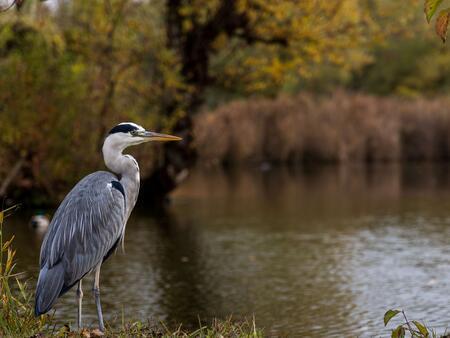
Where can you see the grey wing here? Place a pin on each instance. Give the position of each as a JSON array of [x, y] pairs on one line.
[[86, 226]]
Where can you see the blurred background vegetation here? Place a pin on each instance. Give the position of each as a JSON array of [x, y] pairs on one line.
[[310, 81]]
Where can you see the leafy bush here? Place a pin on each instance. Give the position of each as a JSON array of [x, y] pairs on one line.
[[414, 328]]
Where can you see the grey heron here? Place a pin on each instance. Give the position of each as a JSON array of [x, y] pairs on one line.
[[91, 220]]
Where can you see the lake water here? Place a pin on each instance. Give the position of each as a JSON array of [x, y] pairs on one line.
[[319, 252]]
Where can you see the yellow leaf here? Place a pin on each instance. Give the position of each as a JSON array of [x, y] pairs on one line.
[[7, 244], [9, 260], [442, 24]]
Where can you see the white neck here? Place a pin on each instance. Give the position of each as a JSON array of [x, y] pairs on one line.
[[124, 166], [115, 160]]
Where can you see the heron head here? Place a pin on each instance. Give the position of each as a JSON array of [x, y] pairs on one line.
[[127, 134]]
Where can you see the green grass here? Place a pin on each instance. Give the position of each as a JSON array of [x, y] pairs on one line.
[[218, 328], [17, 313]]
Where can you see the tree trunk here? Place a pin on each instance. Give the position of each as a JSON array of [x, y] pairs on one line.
[[178, 157], [194, 46]]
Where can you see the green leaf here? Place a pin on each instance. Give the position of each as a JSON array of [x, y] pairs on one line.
[[399, 332], [389, 315], [1, 217], [422, 329], [442, 23], [430, 8]]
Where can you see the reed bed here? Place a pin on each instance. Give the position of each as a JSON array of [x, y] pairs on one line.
[[341, 127]]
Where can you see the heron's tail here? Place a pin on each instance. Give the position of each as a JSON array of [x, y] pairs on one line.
[[48, 288]]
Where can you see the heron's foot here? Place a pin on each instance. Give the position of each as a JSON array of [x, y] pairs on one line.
[[95, 333]]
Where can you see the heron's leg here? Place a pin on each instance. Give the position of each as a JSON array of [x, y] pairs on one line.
[[96, 291], [79, 299]]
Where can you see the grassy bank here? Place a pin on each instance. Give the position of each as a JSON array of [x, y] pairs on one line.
[[218, 328], [341, 127]]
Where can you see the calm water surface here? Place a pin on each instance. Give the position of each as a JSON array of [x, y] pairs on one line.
[[318, 252]]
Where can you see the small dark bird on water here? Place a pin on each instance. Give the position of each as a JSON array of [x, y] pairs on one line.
[[91, 220]]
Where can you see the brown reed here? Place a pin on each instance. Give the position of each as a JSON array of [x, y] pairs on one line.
[[340, 127]]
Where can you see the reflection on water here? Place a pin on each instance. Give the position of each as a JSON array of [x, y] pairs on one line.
[[311, 252]]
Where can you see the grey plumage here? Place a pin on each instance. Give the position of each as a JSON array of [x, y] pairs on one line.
[[91, 221], [80, 238]]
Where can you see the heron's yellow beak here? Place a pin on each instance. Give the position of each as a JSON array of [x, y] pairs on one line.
[[152, 136]]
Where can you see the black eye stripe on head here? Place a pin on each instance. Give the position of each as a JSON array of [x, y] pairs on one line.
[[123, 128]]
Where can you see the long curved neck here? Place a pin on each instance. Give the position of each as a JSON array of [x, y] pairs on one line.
[[125, 167]]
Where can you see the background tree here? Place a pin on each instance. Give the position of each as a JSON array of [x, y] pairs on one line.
[[251, 46], [68, 75]]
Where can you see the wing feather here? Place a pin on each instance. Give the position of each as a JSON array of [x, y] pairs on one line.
[[85, 227]]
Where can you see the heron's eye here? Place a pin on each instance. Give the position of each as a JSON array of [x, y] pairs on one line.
[[134, 133]]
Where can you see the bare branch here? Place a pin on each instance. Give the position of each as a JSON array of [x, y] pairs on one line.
[[18, 3]]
